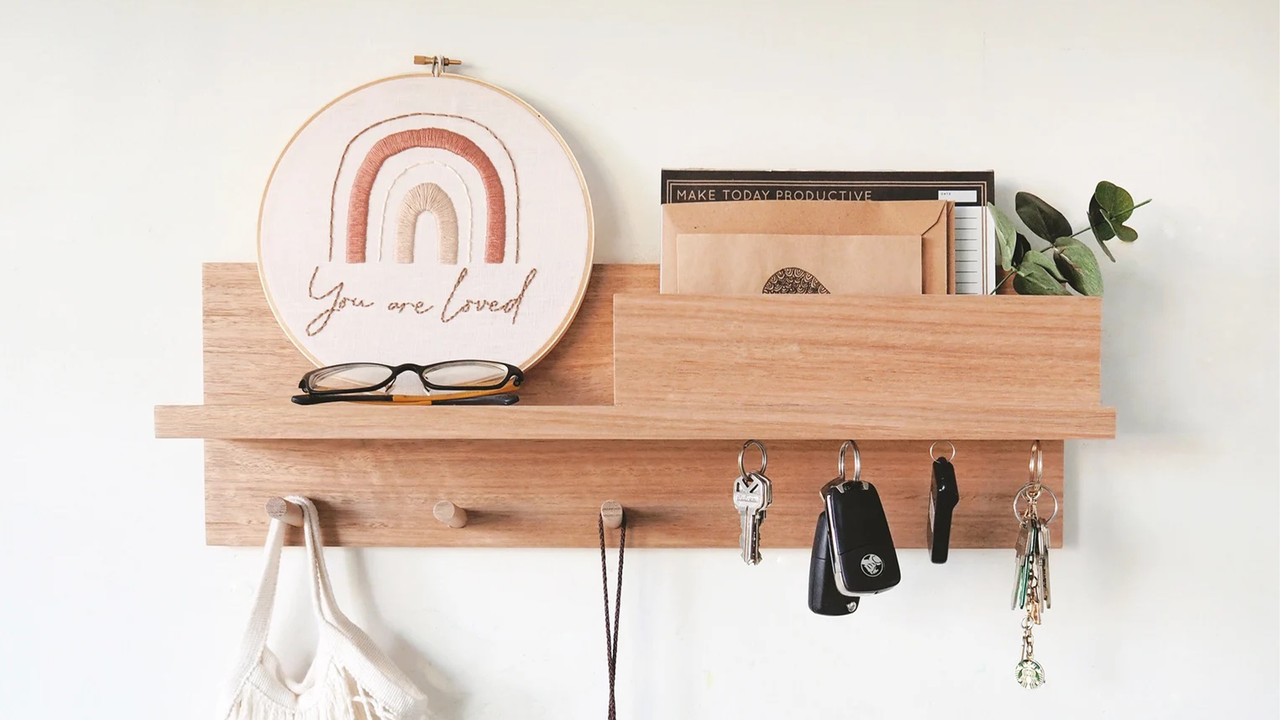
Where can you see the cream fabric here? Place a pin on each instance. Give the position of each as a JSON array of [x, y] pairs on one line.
[[350, 678], [513, 311]]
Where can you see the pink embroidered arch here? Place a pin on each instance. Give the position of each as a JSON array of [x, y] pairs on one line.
[[495, 194]]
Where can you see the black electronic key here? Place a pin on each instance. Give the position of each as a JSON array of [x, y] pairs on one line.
[[864, 560], [943, 497], [824, 597]]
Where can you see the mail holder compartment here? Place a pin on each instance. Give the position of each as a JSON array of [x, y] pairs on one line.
[[825, 350]]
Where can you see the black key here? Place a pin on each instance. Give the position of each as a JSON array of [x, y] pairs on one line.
[[824, 597], [943, 497], [864, 559]]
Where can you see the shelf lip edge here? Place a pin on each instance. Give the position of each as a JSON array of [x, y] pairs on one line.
[[610, 422]]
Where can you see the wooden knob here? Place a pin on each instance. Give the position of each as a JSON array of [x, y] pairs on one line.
[[450, 514], [286, 512], [611, 513]]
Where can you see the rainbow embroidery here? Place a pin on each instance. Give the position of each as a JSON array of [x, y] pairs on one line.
[[498, 212]]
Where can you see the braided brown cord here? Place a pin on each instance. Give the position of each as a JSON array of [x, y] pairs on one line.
[[611, 640]]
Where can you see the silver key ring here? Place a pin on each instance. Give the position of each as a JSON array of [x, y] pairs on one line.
[[1023, 493], [935, 444], [857, 461], [742, 454]]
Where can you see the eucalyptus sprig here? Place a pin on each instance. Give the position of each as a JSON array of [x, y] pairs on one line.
[[1066, 259]]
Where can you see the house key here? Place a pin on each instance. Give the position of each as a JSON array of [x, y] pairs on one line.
[[749, 496], [752, 495]]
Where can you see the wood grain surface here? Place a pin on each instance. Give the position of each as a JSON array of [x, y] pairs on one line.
[[672, 350], [282, 420], [692, 385], [548, 493], [249, 359]]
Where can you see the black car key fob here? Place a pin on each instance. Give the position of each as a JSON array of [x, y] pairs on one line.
[[864, 561], [943, 497], [824, 597]]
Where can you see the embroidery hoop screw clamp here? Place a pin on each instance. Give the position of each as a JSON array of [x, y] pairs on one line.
[[437, 62]]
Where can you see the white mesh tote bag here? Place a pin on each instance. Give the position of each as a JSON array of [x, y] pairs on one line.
[[350, 678]]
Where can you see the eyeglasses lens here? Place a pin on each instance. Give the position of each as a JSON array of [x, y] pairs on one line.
[[467, 374], [351, 377]]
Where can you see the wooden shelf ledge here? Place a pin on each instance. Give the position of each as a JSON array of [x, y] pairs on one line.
[[284, 421]]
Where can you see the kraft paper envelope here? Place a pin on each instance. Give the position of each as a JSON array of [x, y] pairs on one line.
[[931, 220], [840, 264]]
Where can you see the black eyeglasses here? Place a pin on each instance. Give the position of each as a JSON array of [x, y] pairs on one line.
[[454, 382]]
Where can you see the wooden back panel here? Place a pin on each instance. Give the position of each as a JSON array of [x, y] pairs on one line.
[[546, 493], [677, 493], [248, 358]]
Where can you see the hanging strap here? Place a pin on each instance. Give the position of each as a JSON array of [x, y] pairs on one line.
[[377, 673], [611, 639], [322, 598], [255, 636], [322, 601]]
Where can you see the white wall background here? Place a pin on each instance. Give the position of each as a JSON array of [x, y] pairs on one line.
[[135, 138]]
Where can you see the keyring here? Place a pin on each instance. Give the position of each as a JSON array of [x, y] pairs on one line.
[[1035, 466], [935, 444], [857, 461], [1022, 492], [764, 458]]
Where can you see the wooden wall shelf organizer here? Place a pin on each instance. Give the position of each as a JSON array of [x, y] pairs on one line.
[[646, 401]]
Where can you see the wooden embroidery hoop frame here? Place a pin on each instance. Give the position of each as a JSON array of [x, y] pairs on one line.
[[438, 65]]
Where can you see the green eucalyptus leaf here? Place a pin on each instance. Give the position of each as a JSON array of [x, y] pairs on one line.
[[1046, 262], [1079, 265], [1110, 207], [1098, 221], [1033, 279], [1006, 236], [1119, 230], [1020, 249], [1102, 242], [1041, 217], [1106, 251], [1115, 200]]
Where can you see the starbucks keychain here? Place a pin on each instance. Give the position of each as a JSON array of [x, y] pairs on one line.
[[1031, 581]]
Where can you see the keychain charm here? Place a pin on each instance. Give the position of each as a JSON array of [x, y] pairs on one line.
[[1029, 673], [1031, 578]]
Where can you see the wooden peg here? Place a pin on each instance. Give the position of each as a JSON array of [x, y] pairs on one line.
[[450, 514], [280, 509], [611, 513]]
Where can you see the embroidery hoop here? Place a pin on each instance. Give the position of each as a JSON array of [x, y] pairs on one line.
[[436, 72]]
